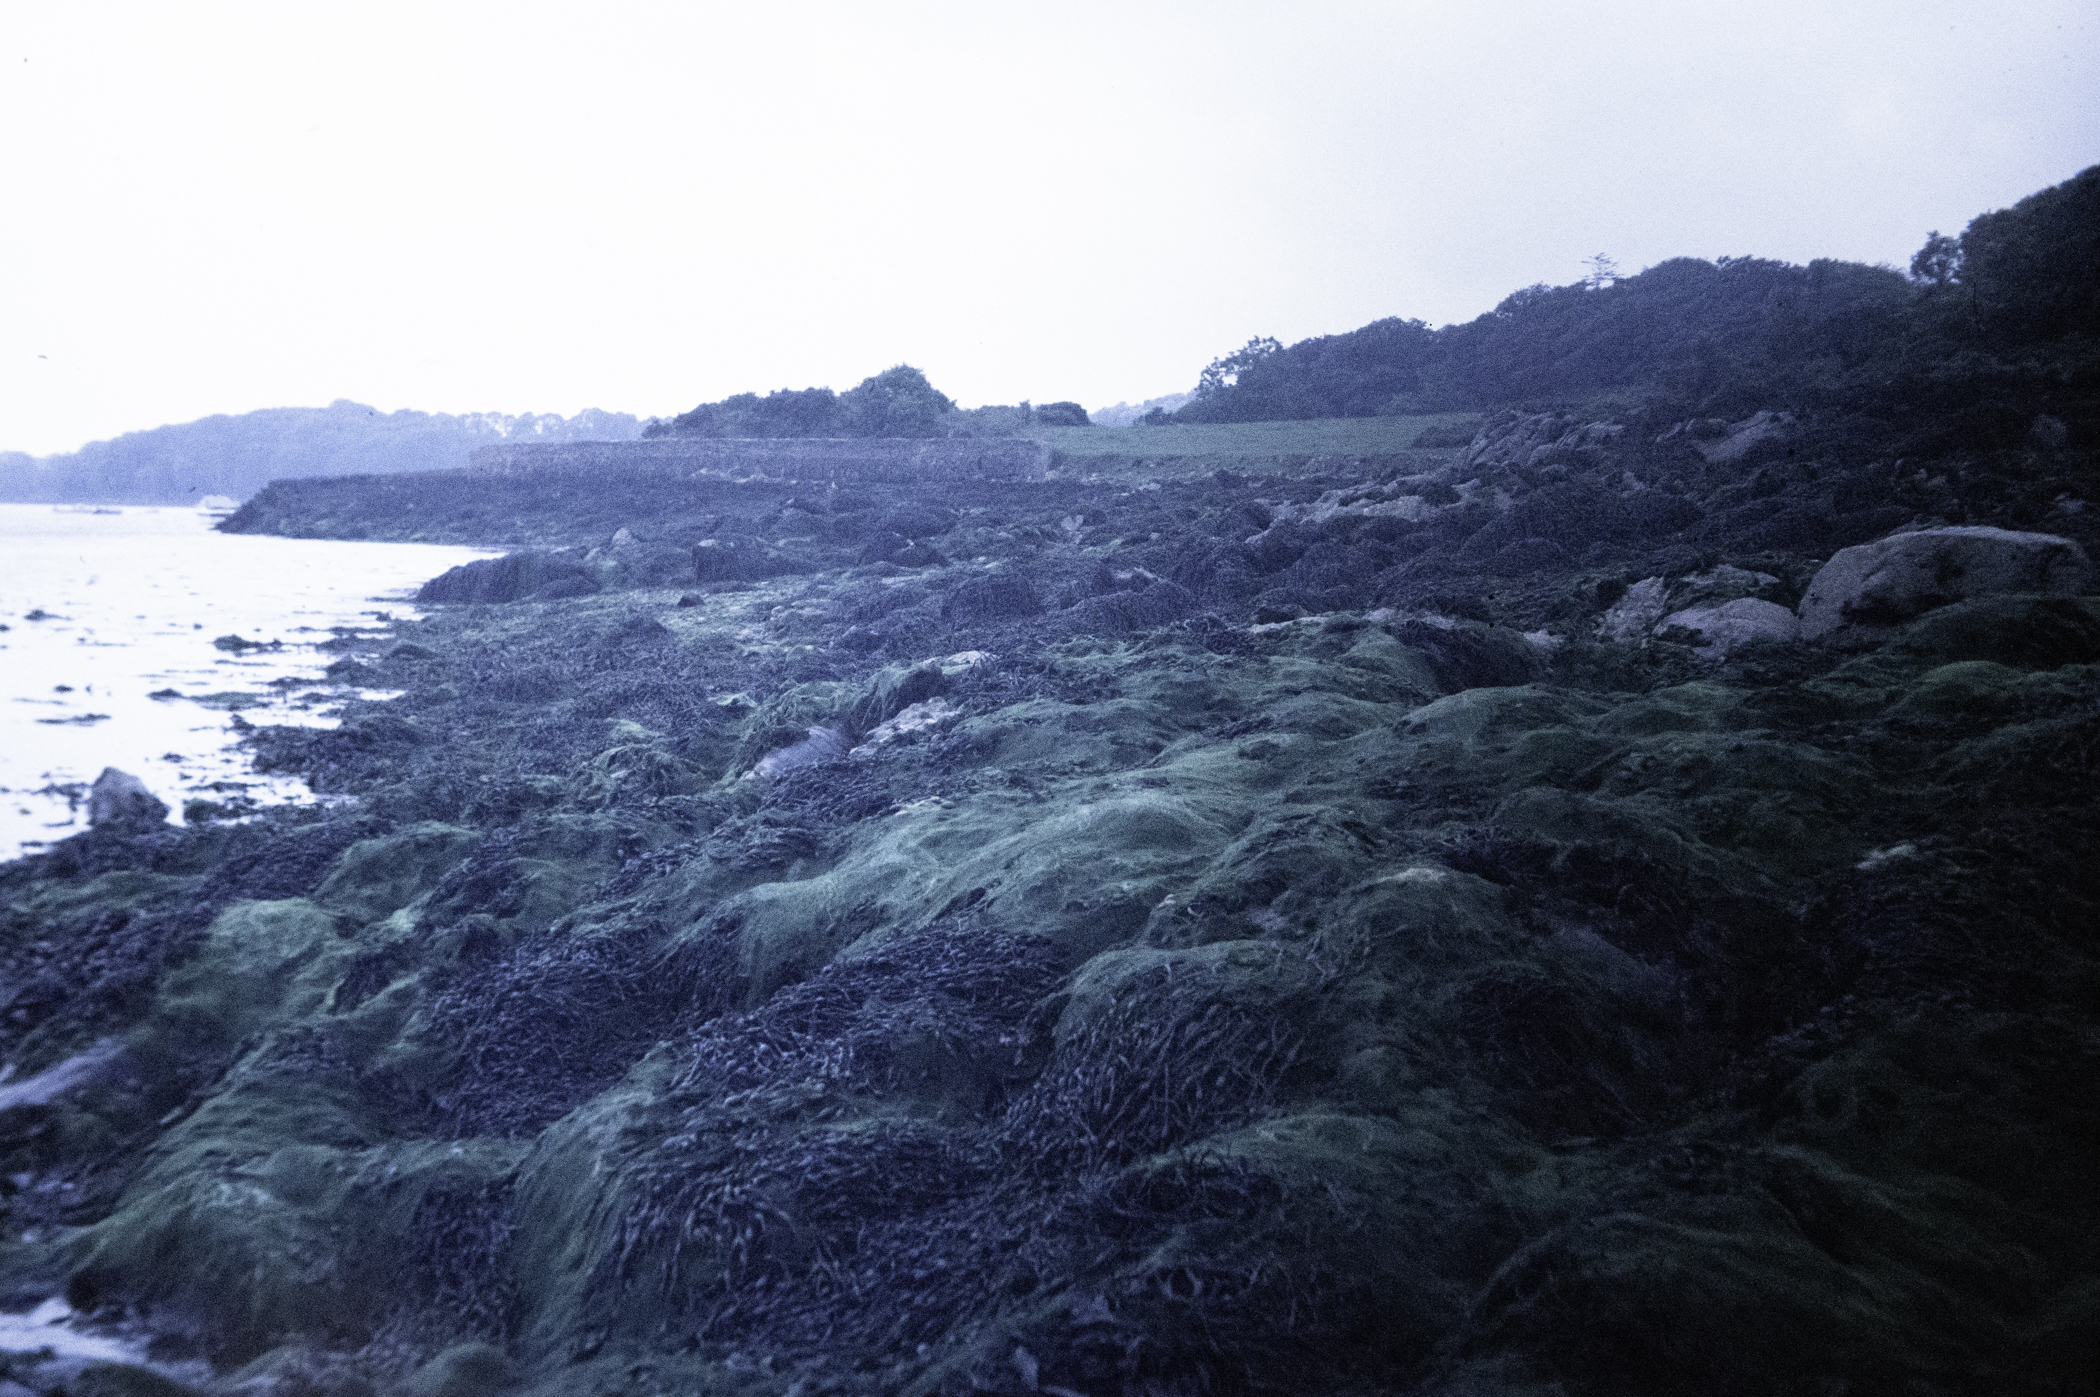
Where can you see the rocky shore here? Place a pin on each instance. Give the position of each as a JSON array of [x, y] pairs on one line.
[[1603, 908]]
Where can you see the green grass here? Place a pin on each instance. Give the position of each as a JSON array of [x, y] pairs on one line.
[[1334, 436]]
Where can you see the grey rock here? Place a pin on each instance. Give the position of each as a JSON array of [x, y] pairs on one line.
[[1635, 613], [824, 744], [1720, 583], [1864, 591], [48, 1085], [465, 1370], [1515, 440], [119, 798], [1737, 438], [1728, 627]]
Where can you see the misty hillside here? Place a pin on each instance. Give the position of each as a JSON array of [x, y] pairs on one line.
[[238, 455], [1984, 332]]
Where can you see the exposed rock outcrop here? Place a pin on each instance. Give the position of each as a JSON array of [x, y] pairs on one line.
[[513, 577], [119, 798], [1514, 440], [1863, 591], [1723, 443], [1726, 605]]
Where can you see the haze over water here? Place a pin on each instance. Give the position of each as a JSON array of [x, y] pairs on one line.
[[128, 604]]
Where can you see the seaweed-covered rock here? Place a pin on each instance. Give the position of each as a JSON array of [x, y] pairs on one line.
[[998, 596], [1863, 591], [513, 577], [734, 558], [893, 690]]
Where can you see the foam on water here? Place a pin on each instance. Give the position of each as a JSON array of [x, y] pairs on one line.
[[127, 604], [49, 1326]]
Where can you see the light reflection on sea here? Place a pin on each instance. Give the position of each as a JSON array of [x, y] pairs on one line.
[[130, 604]]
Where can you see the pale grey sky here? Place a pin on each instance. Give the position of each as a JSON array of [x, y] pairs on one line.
[[538, 207]]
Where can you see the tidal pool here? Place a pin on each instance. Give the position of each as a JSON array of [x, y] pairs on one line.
[[107, 624]]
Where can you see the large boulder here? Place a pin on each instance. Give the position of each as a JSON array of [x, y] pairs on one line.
[[1731, 625], [1864, 591], [119, 798]]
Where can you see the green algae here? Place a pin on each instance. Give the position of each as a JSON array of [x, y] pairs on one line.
[[1377, 1000], [376, 877]]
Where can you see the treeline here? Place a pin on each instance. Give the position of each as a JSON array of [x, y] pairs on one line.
[[898, 402], [237, 455], [1997, 323]]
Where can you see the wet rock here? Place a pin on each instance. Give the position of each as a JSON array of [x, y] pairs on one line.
[[119, 798], [824, 744], [466, 1370], [1864, 591]]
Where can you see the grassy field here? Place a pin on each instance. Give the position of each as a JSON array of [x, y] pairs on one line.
[[1334, 436]]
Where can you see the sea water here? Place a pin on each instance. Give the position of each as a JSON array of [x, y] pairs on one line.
[[108, 620]]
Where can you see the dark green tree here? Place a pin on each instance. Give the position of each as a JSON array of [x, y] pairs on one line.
[[1226, 371], [898, 402], [1938, 263]]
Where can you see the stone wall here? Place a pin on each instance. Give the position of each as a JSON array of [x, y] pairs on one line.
[[895, 460]]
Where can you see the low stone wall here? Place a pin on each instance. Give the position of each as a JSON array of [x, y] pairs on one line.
[[892, 460]]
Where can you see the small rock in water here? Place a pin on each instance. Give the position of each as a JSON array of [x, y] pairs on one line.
[[120, 798]]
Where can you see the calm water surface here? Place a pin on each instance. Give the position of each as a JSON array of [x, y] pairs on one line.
[[101, 611]]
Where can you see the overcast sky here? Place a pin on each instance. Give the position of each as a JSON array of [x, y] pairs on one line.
[[518, 207]]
